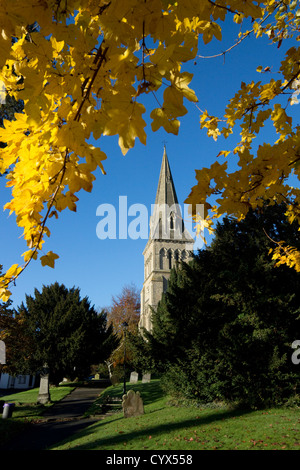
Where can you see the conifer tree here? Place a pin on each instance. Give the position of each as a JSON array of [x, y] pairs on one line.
[[225, 327], [66, 331]]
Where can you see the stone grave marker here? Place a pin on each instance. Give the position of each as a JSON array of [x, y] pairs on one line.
[[44, 393], [146, 378], [2, 353], [134, 377], [132, 404]]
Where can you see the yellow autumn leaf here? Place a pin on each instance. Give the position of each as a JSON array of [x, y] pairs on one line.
[[209, 29], [30, 254], [223, 152], [49, 259], [13, 271], [161, 119], [181, 82], [57, 46], [173, 102], [270, 90], [128, 124], [71, 135], [161, 58], [5, 294]]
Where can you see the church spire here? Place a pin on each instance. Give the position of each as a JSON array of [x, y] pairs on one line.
[[166, 221], [166, 193], [169, 244]]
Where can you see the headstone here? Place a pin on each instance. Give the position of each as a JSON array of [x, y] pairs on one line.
[[2, 353], [146, 378], [44, 394], [132, 404], [8, 410], [134, 377], [115, 380]]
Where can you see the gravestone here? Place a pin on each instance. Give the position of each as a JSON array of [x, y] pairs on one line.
[[132, 404], [2, 353], [146, 378], [134, 377], [44, 394]]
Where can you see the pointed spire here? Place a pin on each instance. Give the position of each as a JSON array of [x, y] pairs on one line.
[[166, 221], [166, 193]]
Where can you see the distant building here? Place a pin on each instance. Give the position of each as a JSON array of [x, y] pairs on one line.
[[169, 243], [19, 382], [10, 382]]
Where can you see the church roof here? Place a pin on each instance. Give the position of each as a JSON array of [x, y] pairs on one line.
[[166, 193]]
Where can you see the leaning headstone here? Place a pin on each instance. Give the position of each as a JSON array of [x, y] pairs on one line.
[[44, 394], [132, 404], [134, 377], [146, 378]]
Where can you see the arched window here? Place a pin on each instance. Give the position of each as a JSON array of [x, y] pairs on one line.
[[170, 259], [172, 221], [161, 258], [160, 227]]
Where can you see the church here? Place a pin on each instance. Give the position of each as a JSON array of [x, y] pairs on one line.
[[169, 243]]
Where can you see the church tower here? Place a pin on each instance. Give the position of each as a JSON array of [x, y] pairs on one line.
[[169, 243]]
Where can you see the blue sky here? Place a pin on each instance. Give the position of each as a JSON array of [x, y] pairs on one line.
[[101, 268]]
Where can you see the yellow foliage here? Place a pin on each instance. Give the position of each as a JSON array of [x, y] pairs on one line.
[[83, 72], [262, 176]]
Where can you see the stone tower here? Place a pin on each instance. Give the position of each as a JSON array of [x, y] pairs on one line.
[[168, 244]]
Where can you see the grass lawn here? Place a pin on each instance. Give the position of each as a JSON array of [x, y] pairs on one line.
[[26, 410], [166, 427]]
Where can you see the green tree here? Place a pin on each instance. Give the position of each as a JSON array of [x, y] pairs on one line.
[[225, 327], [67, 333]]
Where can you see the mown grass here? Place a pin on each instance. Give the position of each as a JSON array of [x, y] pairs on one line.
[[26, 405], [167, 427], [26, 410]]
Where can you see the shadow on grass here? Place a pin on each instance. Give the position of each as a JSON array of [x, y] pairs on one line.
[[150, 392], [154, 431]]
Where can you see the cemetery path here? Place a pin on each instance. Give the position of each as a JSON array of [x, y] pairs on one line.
[[60, 421]]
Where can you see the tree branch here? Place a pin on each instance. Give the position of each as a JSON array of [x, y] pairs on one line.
[[100, 57]]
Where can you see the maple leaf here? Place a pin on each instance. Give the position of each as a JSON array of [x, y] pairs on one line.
[[49, 259]]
